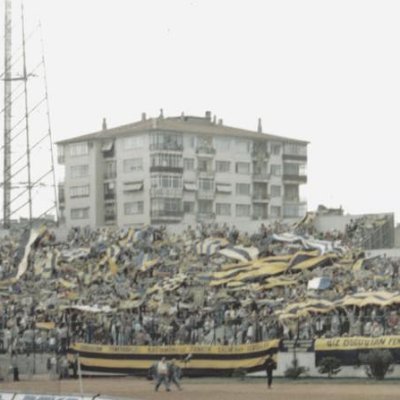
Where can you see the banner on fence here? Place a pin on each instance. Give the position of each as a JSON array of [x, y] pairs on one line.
[[196, 360], [348, 349]]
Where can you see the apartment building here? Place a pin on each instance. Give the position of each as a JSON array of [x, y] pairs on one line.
[[182, 169]]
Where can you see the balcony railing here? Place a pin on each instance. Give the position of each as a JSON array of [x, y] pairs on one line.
[[110, 217], [110, 175], [204, 150], [259, 154], [294, 200], [261, 176], [294, 157], [61, 193], [206, 173], [164, 168], [109, 196], [295, 178], [205, 194], [164, 192], [166, 146], [262, 197]]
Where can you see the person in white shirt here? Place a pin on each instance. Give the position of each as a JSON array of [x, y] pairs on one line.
[[162, 374]]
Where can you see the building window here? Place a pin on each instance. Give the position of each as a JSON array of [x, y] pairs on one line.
[[166, 206], [79, 191], [242, 146], [80, 213], [206, 185], [243, 189], [133, 208], [291, 169], [61, 153], [275, 212], [222, 144], [166, 160], [242, 210], [205, 206], [161, 141], [133, 164], [133, 142], [260, 168], [188, 207], [291, 211], [295, 149], [292, 192], [204, 165], [166, 182], [276, 191], [188, 164], [223, 209], [109, 191], [222, 166], [190, 141], [243, 168], [78, 149], [109, 212], [110, 170], [79, 171], [276, 149], [276, 170]]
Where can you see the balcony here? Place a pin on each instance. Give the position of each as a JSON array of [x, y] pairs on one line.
[[110, 218], [110, 175], [260, 198], [165, 168], [206, 173], [166, 146], [295, 178], [166, 192], [109, 196], [205, 194], [205, 151], [61, 194], [294, 200], [261, 176], [260, 155], [294, 157]]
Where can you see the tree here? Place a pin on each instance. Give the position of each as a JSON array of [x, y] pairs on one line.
[[294, 371], [330, 366], [377, 363]]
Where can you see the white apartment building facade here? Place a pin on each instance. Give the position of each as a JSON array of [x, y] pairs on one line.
[[180, 170]]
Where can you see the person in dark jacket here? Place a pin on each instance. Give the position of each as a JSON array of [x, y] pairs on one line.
[[174, 374], [270, 365], [14, 365]]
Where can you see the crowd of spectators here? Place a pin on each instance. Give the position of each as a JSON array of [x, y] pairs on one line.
[[151, 287]]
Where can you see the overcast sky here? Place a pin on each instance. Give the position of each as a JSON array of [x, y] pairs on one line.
[[323, 71]]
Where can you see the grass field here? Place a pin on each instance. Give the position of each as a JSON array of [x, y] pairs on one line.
[[213, 389]]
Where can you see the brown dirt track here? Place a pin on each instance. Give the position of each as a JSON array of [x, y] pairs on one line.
[[213, 389]]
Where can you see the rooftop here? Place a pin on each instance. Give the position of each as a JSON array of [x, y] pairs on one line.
[[182, 124]]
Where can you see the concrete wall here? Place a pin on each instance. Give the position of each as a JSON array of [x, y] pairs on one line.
[[307, 360]]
